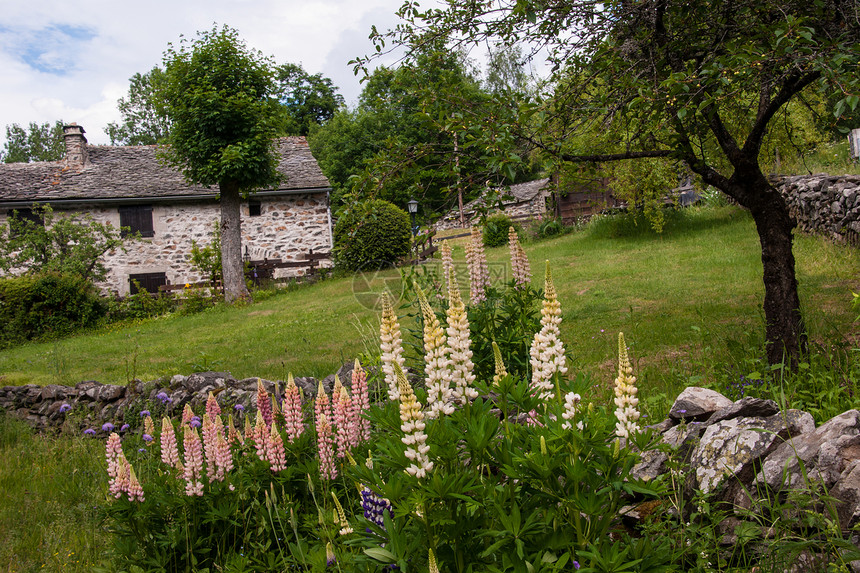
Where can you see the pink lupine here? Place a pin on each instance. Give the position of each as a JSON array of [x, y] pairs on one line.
[[275, 450], [325, 447], [113, 450], [134, 489], [322, 404], [212, 407], [119, 483], [264, 405], [233, 435], [223, 457], [187, 414], [360, 401], [260, 436], [479, 274], [210, 438], [193, 462], [148, 429], [342, 409], [293, 418], [249, 429], [169, 447], [335, 393], [519, 261]]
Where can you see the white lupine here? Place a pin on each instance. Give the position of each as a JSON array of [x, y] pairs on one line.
[[391, 346], [520, 267], [412, 426], [547, 350], [571, 408], [437, 363], [479, 273], [459, 343], [626, 402]]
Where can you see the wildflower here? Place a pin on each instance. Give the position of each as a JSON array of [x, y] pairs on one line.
[[212, 407], [391, 345], [571, 406], [479, 274], [501, 372], [107, 427], [576, 564], [187, 415], [293, 417], [324, 447], [360, 401], [330, 558], [547, 350], [193, 467], [134, 489], [625, 394], [124, 428], [113, 451], [264, 406], [437, 363], [239, 408], [433, 566], [146, 438], [163, 397], [148, 426], [322, 404], [210, 438], [145, 413], [447, 259], [260, 436], [233, 435], [342, 421], [118, 484], [458, 341], [520, 267], [90, 432], [345, 528], [195, 422], [375, 507], [65, 407], [275, 450], [169, 449], [412, 426]]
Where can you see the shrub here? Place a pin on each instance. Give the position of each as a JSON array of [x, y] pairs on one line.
[[550, 228], [374, 232], [496, 230], [47, 305]]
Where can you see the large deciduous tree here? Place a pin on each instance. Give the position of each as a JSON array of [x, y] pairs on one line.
[[38, 142], [218, 95], [144, 121], [306, 99], [704, 82]]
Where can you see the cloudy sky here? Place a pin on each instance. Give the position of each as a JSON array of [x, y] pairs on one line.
[[72, 60]]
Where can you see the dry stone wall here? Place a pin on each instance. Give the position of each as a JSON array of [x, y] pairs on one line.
[[828, 205]]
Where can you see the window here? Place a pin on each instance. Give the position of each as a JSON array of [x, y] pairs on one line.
[[255, 208], [148, 282], [138, 218]]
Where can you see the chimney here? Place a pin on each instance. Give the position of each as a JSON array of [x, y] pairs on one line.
[[76, 144]]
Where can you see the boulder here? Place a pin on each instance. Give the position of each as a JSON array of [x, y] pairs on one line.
[[747, 408], [697, 404]]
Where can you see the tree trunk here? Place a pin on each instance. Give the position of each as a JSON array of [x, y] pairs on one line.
[[784, 329], [232, 270]]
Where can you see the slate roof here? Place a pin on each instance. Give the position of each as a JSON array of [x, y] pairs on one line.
[[115, 174], [513, 195]]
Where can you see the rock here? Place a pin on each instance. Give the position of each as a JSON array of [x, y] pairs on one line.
[[677, 443], [847, 492], [824, 453], [697, 404], [747, 408], [199, 380]]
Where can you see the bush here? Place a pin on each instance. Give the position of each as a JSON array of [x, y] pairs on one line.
[[47, 305], [374, 232], [496, 230]]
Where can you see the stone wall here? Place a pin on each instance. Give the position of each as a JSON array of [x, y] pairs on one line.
[[287, 228], [828, 205]]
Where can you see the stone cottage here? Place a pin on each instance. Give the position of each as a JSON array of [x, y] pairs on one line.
[[520, 201], [128, 187]]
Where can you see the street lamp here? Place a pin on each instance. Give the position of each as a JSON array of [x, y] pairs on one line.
[[412, 206]]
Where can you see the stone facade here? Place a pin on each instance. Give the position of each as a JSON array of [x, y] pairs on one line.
[[827, 205], [524, 201]]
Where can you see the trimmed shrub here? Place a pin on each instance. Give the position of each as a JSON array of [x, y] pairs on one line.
[[373, 233], [496, 230], [45, 306]]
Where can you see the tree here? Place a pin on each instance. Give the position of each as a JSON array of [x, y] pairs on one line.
[[44, 242], [37, 143], [703, 82], [218, 96], [144, 121], [307, 100]]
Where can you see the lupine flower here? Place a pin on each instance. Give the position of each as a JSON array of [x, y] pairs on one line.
[[113, 451], [437, 364], [345, 432], [330, 558], [391, 345], [163, 397], [412, 426], [293, 417], [118, 484], [233, 435], [260, 435], [360, 401], [458, 341], [144, 413], [375, 506], [325, 448], [169, 449], [264, 406], [479, 274], [210, 439], [433, 567], [249, 429], [65, 407], [187, 415], [571, 407], [193, 462], [520, 267], [547, 350], [322, 404], [447, 259], [275, 450], [335, 392], [134, 489], [148, 426], [107, 427], [345, 528], [501, 371], [212, 407], [90, 432], [625, 394]]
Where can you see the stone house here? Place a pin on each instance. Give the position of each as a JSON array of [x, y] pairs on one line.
[[127, 186], [528, 200]]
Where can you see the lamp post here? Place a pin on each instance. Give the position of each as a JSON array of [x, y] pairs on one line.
[[412, 206]]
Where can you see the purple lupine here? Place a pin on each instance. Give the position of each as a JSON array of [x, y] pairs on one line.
[[375, 506]]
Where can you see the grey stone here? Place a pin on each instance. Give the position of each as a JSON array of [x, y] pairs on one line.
[[697, 404], [747, 408]]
